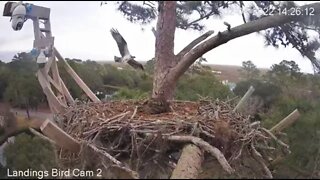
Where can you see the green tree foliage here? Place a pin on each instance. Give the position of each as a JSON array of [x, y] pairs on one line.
[[24, 91], [249, 70], [149, 66], [205, 85], [125, 93], [265, 90], [29, 152], [20, 85], [298, 91], [127, 77], [4, 79], [23, 56], [303, 137], [73, 88], [89, 71], [286, 68], [23, 63]]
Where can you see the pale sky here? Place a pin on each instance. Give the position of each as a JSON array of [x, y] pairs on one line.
[[82, 30]]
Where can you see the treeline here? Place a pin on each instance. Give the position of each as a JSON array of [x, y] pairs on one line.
[[19, 85], [277, 93]]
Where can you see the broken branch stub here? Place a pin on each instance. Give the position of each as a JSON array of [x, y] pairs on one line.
[[244, 99], [286, 122]]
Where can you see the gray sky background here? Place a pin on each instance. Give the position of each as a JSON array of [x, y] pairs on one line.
[[81, 30]]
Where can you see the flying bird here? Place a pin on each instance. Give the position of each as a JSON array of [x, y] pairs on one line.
[[124, 51]]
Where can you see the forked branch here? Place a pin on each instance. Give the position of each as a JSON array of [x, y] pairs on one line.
[[194, 43]]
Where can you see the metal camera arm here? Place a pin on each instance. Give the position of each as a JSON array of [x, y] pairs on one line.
[[46, 53]]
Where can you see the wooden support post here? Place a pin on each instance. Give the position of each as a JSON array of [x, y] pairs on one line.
[[52, 108], [55, 84], [52, 99], [244, 99], [47, 67], [286, 122], [66, 92], [43, 85], [56, 79], [75, 76], [60, 137]]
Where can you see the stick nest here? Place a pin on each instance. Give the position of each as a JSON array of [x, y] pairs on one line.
[[133, 144]]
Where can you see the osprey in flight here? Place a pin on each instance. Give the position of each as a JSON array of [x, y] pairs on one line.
[[124, 51]]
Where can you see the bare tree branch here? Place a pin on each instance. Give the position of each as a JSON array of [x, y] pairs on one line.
[[242, 13], [151, 5], [193, 44], [199, 19], [258, 157], [239, 31]]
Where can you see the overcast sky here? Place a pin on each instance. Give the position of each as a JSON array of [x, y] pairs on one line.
[[82, 30]]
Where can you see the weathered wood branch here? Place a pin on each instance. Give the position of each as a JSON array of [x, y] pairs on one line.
[[238, 31], [194, 43], [5, 137], [207, 147], [184, 170], [57, 136], [21, 125], [283, 124], [244, 99], [276, 161], [33, 131], [258, 157], [132, 174], [286, 122], [276, 139], [66, 92]]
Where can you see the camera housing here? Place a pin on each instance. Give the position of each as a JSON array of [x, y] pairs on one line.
[[7, 11], [18, 17]]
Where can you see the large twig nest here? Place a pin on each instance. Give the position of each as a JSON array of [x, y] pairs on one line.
[[150, 145]]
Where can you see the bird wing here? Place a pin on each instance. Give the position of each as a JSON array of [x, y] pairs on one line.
[[122, 44], [117, 59], [135, 64]]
